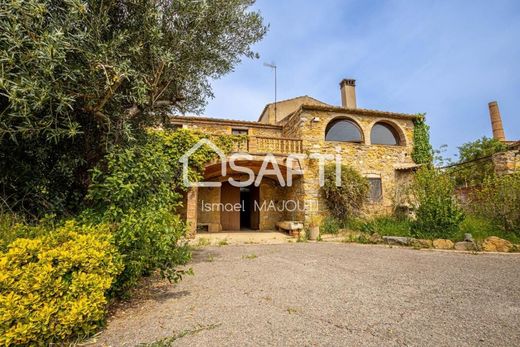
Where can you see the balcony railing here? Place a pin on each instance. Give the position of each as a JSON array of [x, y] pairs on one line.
[[265, 144]]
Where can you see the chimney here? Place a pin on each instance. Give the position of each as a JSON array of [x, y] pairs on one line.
[[348, 93], [496, 121]]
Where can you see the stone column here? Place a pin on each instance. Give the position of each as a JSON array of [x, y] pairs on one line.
[[191, 211]]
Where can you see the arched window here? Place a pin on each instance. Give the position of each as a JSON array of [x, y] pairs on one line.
[[384, 134], [343, 130]]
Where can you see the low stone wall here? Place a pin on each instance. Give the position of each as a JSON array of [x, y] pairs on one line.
[[507, 162]]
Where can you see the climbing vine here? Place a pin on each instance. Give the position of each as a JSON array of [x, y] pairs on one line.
[[422, 150]]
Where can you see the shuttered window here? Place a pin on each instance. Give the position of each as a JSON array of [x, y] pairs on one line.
[[375, 192]]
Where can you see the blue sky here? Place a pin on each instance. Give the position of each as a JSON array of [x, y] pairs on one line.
[[445, 58]]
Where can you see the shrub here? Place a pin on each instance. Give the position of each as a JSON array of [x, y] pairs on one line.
[[476, 172], [346, 200], [438, 213], [13, 226], [330, 225], [138, 190], [499, 201], [54, 287]]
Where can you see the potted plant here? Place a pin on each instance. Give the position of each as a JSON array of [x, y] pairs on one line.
[[314, 227]]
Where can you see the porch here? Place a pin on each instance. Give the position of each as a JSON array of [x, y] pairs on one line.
[[233, 205]]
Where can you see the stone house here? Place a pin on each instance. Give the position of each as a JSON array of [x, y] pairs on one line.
[[508, 161], [378, 144]]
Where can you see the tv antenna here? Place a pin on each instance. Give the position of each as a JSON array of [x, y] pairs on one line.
[[273, 67]]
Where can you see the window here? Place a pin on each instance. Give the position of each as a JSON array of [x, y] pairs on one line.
[[343, 130], [375, 191], [239, 131], [384, 134]]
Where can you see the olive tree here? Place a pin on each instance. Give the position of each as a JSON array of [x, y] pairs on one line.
[[80, 76]]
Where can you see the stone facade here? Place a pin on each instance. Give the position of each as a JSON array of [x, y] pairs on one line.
[[377, 161], [507, 162], [300, 126]]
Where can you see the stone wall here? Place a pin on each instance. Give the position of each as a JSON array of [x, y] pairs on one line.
[[507, 162], [271, 195], [224, 127], [370, 160], [209, 195]]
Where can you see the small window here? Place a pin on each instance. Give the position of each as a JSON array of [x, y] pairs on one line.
[[375, 191], [343, 130], [384, 134], [239, 131]]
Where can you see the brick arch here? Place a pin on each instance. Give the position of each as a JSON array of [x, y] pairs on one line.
[[351, 120], [398, 131]]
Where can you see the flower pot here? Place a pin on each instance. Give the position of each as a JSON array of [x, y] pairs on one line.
[[314, 233]]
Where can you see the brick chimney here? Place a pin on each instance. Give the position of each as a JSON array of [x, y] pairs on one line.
[[496, 121], [348, 93]]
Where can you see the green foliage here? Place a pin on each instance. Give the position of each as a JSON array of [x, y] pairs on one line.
[[54, 287], [138, 190], [387, 226], [499, 201], [38, 177], [474, 173], [422, 149], [14, 226], [438, 213], [80, 77], [481, 228], [330, 225], [347, 200]]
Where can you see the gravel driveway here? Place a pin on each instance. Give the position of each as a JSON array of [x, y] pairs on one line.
[[323, 294]]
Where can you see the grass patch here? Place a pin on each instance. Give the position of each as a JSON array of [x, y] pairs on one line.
[[384, 226], [250, 256], [331, 225], [203, 242], [223, 242], [481, 228]]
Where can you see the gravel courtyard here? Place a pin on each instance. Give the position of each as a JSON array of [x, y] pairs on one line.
[[323, 294]]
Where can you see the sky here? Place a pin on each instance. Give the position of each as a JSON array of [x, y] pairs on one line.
[[447, 59]]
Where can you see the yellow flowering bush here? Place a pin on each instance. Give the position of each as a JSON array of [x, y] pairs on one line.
[[54, 287]]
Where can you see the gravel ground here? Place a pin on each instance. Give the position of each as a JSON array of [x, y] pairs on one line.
[[323, 294]]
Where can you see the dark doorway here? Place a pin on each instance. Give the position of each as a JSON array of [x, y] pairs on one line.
[[249, 214]]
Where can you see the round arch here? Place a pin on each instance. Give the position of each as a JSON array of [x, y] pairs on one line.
[[386, 132], [344, 129]]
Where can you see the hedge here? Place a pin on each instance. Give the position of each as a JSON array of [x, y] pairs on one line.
[[54, 287]]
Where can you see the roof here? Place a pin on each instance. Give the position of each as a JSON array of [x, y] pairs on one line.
[[361, 111], [211, 120], [406, 167], [290, 99]]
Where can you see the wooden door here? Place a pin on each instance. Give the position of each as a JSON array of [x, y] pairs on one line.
[[229, 197]]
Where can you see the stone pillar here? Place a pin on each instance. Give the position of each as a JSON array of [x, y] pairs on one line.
[[191, 211], [252, 144]]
